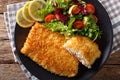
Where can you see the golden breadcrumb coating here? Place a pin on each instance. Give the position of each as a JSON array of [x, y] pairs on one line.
[[46, 49], [84, 49]]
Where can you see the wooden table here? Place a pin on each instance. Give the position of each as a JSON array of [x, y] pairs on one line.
[[10, 70]]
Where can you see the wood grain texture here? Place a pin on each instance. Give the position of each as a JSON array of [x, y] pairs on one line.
[[109, 72], [114, 59], [2, 23], [111, 69], [5, 49], [10, 70], [3, 4]]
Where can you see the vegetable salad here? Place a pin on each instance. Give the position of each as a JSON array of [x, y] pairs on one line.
[[71, 18]]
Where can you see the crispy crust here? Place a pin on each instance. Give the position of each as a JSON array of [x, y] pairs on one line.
[[84, 49], [45, 48]]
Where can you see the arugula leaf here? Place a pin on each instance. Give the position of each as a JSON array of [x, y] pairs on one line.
[[62, 4], [79, 16], [91, 29], [70, 22], [55, 25]]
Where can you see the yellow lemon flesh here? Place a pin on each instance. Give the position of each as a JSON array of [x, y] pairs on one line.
[[21, 21], [33, 8], [26, 14]]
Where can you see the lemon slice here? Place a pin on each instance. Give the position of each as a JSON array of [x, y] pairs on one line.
[[33, 8], [26, 14], [21, 21]]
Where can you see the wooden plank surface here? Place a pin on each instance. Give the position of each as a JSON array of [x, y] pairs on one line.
[[109, 72], [3, 4], [10, 70]]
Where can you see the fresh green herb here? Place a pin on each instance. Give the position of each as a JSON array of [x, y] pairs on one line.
[[62, 4], [91, 29], [55, 25], [79, 16], [70, 22], [49, 8], [58, 26]]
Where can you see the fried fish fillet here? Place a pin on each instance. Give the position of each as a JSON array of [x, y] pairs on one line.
[[46, 49], [84, 49]]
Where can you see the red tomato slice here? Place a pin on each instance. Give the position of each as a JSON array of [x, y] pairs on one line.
[[95, 18], [76, 10], [90, 8], [78, 24], [49, 17]]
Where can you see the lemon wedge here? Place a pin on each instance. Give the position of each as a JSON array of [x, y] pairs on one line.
[[26, 14], [21, 21], [33, 8]]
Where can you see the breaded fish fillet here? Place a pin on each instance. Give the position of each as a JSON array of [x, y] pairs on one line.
[[46, 48], [84, 49]]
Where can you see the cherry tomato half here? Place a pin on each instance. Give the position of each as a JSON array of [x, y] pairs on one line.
[[76, 9], [78, 24], [90, 8], [49, 17]]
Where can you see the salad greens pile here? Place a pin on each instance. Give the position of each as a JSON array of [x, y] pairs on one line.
[[64, 25], [49, 8]]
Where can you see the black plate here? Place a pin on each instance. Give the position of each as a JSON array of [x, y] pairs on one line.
[[105, 45]]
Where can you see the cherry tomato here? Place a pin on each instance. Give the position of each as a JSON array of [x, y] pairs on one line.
[[90, 8], [95, 18], [76, 9], [78, 24], [49, 17]]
